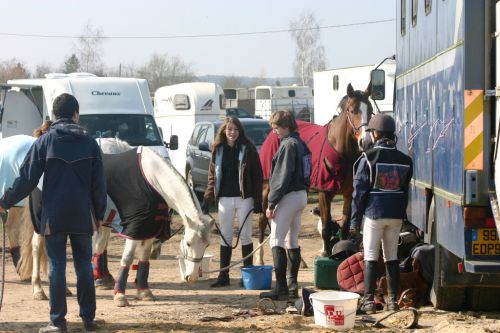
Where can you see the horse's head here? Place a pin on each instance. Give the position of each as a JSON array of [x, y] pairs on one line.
[[359, 111], [194, 243]]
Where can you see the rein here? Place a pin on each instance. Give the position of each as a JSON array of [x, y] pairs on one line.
[[239, 231]]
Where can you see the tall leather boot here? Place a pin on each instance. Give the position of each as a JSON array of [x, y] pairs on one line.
[[280, 291], [245, 251], [370, 279], [292, 272], [225, 260], [392, 273]]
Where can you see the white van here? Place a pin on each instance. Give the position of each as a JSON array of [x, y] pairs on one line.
[[330, 87], [298, 99], [178, 107], [109, 107]]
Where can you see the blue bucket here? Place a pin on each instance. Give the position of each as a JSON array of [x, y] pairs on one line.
[[257, 277]]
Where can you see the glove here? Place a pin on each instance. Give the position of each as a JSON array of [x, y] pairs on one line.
[[205, 206], [257, 207]]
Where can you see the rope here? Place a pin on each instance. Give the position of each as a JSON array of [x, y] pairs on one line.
[[243, 259], [3, 262], [239, 232]]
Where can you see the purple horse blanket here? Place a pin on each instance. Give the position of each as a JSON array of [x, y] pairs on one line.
[[329, 168]]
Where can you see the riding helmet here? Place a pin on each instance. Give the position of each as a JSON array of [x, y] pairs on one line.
[[382, 123]]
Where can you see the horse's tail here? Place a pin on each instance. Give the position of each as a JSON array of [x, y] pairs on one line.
[[25, 266]]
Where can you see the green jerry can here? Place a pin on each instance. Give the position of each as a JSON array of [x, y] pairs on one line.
[[325, 273]]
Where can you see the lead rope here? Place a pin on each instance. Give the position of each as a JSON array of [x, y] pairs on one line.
[[239, 231], [3, 262]]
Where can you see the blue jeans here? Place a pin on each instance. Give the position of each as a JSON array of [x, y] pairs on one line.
[[81, 246]]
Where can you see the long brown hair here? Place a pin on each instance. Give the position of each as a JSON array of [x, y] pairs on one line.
[[221, 138], [44, 128]]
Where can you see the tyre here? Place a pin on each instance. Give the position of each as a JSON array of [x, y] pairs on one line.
[[444, 298], [483, 298]]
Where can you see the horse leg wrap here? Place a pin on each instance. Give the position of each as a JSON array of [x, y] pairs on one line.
[[97, 265], [142, 276], [105, 270], [121, 280], [15, 252]]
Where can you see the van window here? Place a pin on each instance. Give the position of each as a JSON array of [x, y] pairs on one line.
[[428, 7], [335, 82], [414, 10], [201, 134], [403, 17], [222, 102], [262, 94], [194, 136], [181, 102], [291, 93]]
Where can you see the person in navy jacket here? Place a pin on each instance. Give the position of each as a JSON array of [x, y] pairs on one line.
[[381, 178], [73, 205]]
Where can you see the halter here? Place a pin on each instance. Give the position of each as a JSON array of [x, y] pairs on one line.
[[187, 257], [354, 127]]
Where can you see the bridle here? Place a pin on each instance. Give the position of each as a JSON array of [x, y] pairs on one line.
[[361, 125], [188, 257]]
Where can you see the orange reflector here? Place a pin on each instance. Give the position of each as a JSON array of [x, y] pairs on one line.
[[460, 267]]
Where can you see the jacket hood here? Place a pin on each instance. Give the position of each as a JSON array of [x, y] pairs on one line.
[[66, 127]]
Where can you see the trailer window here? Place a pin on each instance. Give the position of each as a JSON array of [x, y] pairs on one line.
[[291, 93], [230, 93], [262, 94], [428, 7], [222, 102], [403, 17], [335, 82], [181, 102], [414, 10]]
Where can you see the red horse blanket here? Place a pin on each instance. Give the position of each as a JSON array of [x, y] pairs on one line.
[[329, 168]]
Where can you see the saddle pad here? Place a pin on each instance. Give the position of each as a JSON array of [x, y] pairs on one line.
[[350, 274]]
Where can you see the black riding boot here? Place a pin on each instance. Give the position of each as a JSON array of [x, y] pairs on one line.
[[292, 272], [370, 279], [392, 272], [245, 251], [280, 291], [225, 260]]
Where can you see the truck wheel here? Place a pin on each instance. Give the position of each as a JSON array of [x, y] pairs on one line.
[[444, 298], [484, 298]]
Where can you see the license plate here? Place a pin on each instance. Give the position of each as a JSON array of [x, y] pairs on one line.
[[485, 242]]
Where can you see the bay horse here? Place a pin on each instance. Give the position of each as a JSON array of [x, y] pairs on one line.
[[334, 147], [163, 179]]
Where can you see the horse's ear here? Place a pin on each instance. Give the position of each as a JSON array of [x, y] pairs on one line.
[[350, 90], [368, 91]]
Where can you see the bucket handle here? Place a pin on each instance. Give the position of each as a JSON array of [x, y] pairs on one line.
[[324, 314]]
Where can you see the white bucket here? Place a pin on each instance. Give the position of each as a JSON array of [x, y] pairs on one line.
[[204, 267], [334, 309]]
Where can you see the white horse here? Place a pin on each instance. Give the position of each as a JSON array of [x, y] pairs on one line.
[[171, 186]]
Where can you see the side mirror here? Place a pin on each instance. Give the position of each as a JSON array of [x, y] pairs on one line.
[[203, 146], [377, 78], [174, 142]]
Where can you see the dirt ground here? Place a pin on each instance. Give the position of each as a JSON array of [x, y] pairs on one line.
[[181, 307]]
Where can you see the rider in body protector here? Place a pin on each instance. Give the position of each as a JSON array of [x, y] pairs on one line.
[[235, 178], [290, 172], [381, 178]]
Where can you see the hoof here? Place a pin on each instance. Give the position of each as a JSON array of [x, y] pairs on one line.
[[68, 292], [105, 283], [145, 295], [40, 296], [120, 300]]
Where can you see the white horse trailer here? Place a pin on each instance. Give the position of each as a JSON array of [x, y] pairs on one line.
[[178, 107], [240, 98], [109, 107], [330, 87], [299, 99]]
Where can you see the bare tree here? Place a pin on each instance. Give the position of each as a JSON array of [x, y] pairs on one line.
[[260, 80], [310, 53], [89, 49], [71, 64], [163, 69], [13, 69], [233, 82], [42, 69]]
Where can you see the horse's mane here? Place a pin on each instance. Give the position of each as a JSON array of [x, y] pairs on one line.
[[113, 145]]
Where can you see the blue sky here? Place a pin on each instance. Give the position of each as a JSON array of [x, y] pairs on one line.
[[270, 55]]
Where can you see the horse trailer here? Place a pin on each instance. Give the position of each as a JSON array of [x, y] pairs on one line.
[[178, 107], [330, 87], [447, 119], [109, 107], [298, 99], [240, 98]]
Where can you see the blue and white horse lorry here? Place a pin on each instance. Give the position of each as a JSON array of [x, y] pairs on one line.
[[109, 107], [447, 112]]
